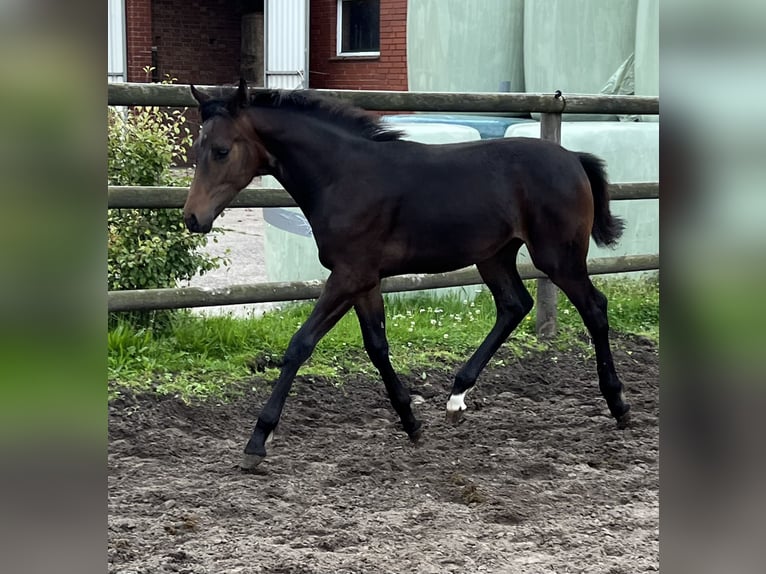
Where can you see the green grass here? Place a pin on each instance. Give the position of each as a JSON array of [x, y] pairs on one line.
[[208, 357]]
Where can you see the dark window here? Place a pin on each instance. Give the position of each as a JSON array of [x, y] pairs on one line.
[[359, 26]]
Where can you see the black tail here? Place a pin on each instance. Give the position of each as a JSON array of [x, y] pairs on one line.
[[607, 228]]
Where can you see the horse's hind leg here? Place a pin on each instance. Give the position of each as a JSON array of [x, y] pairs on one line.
[[370, 311], [571, 275], [512, 301]]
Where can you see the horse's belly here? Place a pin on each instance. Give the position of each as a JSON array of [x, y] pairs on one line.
[[439, 254]]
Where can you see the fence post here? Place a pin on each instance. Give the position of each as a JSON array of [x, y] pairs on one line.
[[545, 324]]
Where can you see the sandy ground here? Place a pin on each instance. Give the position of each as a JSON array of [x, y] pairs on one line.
[[536, 478]]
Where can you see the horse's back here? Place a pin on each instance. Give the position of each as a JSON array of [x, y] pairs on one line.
[[480, 159], [487, 171]]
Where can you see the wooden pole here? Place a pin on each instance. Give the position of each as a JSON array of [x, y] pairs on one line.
[[150, 197], [178, 95], [547, 294], [157, 197], [251, 56], [187, 297]]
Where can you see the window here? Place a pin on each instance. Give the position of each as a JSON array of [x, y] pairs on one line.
[[358, 27]]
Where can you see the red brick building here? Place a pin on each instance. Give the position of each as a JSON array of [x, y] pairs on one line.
[[352, 44], [386, 71]]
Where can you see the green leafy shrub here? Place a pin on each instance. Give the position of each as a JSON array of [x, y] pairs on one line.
[[150, 248]]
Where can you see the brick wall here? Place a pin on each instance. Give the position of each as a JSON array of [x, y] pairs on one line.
[[386, 72], [138, 35], [197, 41]]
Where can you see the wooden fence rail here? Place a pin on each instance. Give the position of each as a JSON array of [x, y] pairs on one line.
[[181, 298], [130, 197], [134, 94], [551, 106]]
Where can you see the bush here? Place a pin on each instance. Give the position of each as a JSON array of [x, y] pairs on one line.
[[150, 248]]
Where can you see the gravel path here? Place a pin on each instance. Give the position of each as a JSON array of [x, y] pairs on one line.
[[241, 240]]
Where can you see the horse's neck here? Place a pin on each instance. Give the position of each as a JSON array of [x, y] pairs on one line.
[[307, 154]]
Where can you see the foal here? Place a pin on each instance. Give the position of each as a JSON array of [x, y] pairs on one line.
[[380, 206]]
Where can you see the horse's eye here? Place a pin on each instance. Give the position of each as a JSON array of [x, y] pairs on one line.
[[220, 152]]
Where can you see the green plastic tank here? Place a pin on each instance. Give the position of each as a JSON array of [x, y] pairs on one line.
[[465, 45], [647, 63], [576, 45]]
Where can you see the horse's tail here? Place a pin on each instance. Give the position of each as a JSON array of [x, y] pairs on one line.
[[607, 228]]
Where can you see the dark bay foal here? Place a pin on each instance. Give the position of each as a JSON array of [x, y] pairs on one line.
[[380, 206]]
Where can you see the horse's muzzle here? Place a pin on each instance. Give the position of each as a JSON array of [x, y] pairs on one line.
[[194, 226]]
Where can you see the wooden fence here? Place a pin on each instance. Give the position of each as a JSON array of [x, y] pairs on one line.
[[550, 106]]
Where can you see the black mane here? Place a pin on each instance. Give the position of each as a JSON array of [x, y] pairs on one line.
[[351, 118]]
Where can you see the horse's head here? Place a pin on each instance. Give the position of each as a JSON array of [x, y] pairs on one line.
[[229, 154]]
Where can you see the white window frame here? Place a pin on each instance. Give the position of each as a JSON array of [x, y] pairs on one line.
[[339, 38]]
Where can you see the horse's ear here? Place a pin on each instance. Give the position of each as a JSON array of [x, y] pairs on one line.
[[241, 99], [199, 96]]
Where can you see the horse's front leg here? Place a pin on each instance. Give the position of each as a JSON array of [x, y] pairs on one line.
[[333, 303], [372, 320]]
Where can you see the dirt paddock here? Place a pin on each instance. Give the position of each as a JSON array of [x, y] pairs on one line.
[[535, 479]]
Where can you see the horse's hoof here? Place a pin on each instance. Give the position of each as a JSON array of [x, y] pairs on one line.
[[250, 461], [454, 417], [623, 420], [417, 434]]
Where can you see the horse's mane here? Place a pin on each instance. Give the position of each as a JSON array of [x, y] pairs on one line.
[[351, 118]]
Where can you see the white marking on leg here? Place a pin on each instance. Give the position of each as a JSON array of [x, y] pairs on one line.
[[456, 402], [269, 438]]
